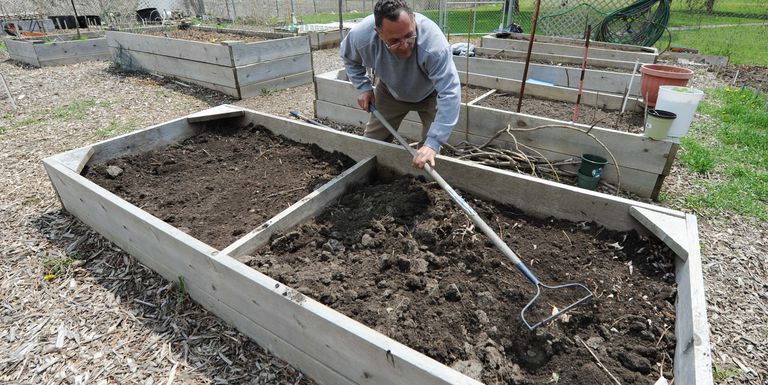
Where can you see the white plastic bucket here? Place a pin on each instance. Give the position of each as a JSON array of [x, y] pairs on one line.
[[683, 101]]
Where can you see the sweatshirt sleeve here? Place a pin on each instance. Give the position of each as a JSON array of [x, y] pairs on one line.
[[353, 64], [442, 72]]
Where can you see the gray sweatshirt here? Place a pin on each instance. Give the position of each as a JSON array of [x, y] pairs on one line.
[[429, 68]]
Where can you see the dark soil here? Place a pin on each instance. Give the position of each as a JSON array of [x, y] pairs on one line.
[[470, 93], [632, 121], [348, 128], [220, 184], [749, 76], [402, 258], [205, 36]]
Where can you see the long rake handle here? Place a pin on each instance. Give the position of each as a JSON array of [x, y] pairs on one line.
[[479, 222]]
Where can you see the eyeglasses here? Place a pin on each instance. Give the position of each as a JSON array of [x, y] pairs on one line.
[[400, 42]]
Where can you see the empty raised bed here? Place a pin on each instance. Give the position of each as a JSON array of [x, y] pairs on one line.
[[235, 67], [335, 349], [555, 59], [551, 45], [58, 49], [643, 162]]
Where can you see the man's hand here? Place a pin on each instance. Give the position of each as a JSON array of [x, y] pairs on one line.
[[366, 99], [423, 155]]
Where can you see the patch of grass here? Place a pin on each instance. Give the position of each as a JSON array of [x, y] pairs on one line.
[[733, 148], [115, 128], [75, 110], [3, 130], [723, 373], [2, 46], [744, 45], [696, 156], [58, 266]]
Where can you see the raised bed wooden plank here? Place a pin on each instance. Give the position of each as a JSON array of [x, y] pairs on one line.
[[245, 54], [268, 70], [22, 51], [603, 81], [76, 159], [203, 52], [670, 230], [638, 181], [569, 49], [73, 49], [325, 39], [693, 353], [216, 113], [520, 55], [277, 83], [201, 73], [302, 210]]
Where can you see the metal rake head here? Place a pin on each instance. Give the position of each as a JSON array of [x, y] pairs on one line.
[[539, 285]]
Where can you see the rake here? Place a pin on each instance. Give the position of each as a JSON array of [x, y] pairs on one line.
[[494, 238]]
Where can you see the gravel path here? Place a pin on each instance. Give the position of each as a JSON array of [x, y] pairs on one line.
[[106, 319]]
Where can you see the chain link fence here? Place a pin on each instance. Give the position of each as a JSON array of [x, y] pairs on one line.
[[459, 17]]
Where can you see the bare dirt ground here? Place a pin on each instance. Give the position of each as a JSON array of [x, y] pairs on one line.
[[105, 319]]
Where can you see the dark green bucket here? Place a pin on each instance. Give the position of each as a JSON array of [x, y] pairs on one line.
[[588, 182], [592, 165]]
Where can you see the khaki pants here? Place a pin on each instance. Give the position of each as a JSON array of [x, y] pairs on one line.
[[394, 112]]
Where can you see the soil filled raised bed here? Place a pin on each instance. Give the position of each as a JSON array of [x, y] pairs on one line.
[[402, 258], [400, 225], [237, 64], [573, 47], [217, 186]]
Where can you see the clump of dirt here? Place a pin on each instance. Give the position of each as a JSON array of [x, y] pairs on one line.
[[204, 36], [402, 258], [222, 183], [631, 122]]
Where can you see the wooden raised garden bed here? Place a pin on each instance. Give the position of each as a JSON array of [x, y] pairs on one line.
[[598, 80], [236, 68], [58, 49], [333, 348], [643, 162], [571, 47]]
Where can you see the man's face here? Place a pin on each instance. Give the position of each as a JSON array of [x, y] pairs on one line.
[[399, 36]]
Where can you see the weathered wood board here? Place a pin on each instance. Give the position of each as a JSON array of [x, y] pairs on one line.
[[236, 68], [64, 50], [328, 346]]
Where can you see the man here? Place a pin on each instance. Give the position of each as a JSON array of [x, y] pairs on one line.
[[413, 61]]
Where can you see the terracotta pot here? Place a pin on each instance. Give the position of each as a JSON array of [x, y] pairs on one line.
[[656, 75]]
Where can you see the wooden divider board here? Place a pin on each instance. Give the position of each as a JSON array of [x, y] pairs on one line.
[[67, 50], [576, 49], [329, 347], [595, 80]]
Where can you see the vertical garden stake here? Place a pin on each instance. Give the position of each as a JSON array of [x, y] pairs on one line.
[[583, 71], [528, 55]]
